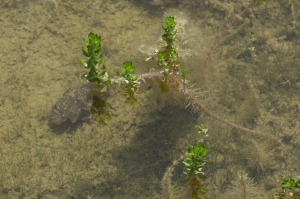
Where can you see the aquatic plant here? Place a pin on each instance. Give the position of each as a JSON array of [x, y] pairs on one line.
[[290, 189], [242, 187], [194, 164], [168, 60], [194, 160], [258, 157]]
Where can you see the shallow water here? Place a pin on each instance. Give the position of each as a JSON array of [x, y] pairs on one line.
[[40, 50]]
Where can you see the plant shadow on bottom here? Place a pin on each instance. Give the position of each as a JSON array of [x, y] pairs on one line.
[[142, 163]]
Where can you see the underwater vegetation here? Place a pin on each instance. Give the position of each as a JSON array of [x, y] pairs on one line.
[[242, 187], [258, 157], [290, 189]]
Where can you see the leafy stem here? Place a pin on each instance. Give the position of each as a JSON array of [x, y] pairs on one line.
[[194, 164], [92, 51]]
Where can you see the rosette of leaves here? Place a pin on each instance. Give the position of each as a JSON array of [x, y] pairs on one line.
[[130, 83], [92, 50], [194, 164], [195, 161], [170, 64], [290, 188]]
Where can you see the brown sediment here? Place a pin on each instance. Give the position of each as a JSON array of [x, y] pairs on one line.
[[199, 106], [81, 77]]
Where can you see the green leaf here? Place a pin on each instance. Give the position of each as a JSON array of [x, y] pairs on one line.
[[97, 52], [292, 183], [98, 61], [161, 55], [173, 54], [85, 52], [101, 72], [170, 21], [123, 72], [134, 78], [200, 165], [128, 65], [195, 147], [117, 72], [83, 63], [186, 164], [90, 64], [93, 38], [131, 71], [90, 78], [183, 72], [190, 150], [86, 43]]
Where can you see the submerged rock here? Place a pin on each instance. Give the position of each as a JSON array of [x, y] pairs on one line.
[[73, 103]]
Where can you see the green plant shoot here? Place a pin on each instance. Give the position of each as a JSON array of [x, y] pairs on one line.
[[252, 48], [195, 161], [293, 185], [194, 164], [92, 51], [168, 59], [130, 82]]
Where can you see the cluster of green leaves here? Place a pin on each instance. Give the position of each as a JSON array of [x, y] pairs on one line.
[[289, 189], [195, 161], [162, 62], [201, 131], [194, 164], [170, 35], [92, 51], [168, 58], [130, 82], [183, 76]]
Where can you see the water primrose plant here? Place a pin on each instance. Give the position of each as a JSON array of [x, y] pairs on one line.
[[95, 59], [167, 59], [194, 164], [290, 189]]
